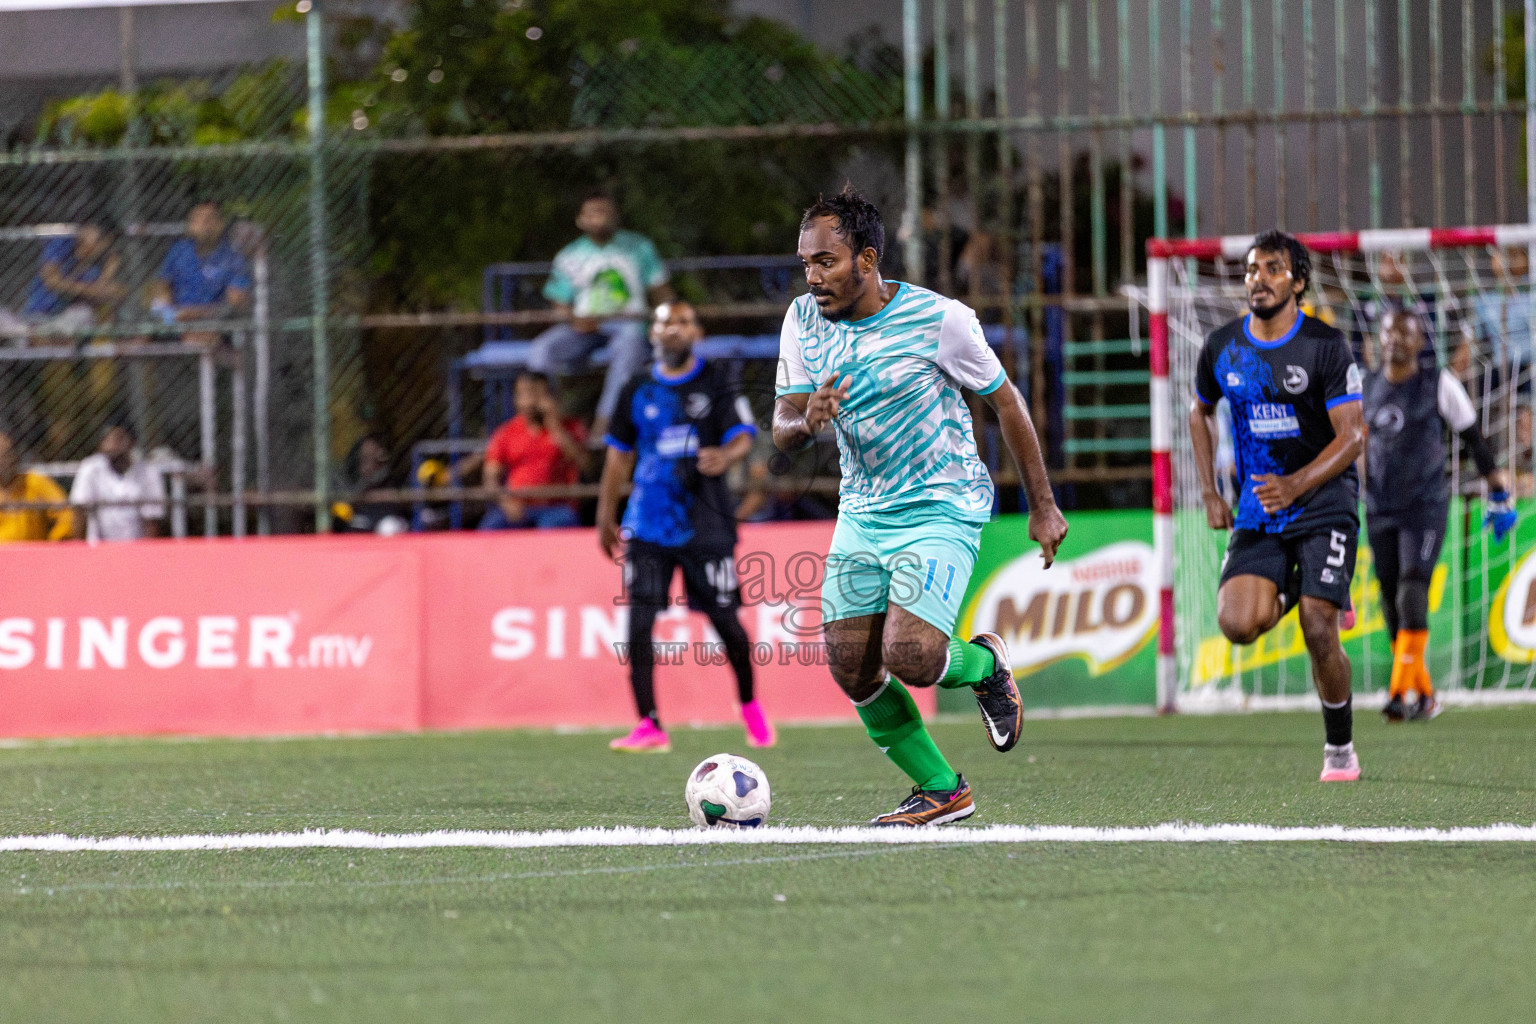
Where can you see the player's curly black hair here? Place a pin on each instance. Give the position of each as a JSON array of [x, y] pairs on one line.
[[858, 222], [1275, 240]]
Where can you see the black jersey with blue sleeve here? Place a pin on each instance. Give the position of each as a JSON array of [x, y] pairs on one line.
[[665, 421], [1280, 393]]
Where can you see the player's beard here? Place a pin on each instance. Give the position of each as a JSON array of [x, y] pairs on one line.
[[1266, 312], [840, 313], [673, 360]]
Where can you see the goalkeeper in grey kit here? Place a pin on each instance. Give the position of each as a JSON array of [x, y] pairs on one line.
[[1409, 403]]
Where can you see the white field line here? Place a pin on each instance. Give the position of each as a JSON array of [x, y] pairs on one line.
[[42, 888], [775, 835]]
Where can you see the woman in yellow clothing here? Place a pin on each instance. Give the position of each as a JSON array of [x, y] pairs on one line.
[[16, 486]]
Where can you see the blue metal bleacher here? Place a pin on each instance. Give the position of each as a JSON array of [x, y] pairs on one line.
[[501, 356]]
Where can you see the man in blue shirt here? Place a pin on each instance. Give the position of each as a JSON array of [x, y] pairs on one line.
[[76, 285], [677, 430], [203, 277]]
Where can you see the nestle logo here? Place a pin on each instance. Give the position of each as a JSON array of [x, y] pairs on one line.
[[1118, 569]]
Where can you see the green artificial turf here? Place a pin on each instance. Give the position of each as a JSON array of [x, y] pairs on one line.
[[1036, 932]]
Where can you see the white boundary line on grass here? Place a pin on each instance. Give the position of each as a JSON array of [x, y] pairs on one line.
[[773, 835]]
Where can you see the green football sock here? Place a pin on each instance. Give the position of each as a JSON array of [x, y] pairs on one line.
[[969, 664], [892, 720]]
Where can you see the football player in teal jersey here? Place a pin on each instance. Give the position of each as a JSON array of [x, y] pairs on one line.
[[884, 363]]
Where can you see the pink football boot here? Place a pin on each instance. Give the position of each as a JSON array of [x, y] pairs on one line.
[[760, 731], [647, 738], [1340, 764]]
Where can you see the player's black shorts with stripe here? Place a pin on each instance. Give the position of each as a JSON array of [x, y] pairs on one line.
[[709, 575], [1326, 558], [1406, 548]]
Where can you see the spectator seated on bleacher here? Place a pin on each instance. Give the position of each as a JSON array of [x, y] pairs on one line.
[[76, 286], [603, 284], [16, 486], [359, 508], [119, 475], [538, 447], [203, 277]]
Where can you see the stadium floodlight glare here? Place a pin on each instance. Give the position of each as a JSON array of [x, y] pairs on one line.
[[1452, 276]]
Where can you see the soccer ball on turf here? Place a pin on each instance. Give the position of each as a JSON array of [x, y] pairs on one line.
[[726, 791]]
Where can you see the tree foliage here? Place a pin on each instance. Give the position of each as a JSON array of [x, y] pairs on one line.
[[453, 68]]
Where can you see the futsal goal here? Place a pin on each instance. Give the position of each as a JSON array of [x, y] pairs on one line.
[[1472, 289]]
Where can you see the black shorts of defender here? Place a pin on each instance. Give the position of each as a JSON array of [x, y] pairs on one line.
[[1403, 551], [709, 576], [1325, 557]]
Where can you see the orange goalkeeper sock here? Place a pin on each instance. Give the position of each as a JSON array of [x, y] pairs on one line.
[[1421, 679], [1408, 670]]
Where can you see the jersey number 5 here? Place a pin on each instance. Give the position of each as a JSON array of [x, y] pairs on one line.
[[1336, 545]]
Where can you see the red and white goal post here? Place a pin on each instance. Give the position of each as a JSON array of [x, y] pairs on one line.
[[1472, 286]]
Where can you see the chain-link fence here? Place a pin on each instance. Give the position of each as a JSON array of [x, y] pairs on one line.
[[381, 191]]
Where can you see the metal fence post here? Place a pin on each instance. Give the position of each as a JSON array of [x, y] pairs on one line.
[[1530, 158], [1530, 113], [912, 81], [314, 24]]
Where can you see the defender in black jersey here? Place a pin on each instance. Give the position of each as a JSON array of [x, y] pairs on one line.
[[1294, 392], [677, 429], [1409, 403]]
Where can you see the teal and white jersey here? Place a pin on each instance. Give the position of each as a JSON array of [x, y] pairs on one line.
[[904, 435], [606, 280]]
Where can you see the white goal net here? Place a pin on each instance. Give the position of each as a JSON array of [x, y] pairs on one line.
[[1472, 288]]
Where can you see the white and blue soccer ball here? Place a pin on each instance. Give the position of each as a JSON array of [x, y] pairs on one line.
[[726, 791]]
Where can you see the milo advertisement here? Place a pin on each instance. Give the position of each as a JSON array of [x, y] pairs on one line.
[[1084, 632], [1512, 622]]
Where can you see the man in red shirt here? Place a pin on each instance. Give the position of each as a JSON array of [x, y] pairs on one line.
[[536, 448]]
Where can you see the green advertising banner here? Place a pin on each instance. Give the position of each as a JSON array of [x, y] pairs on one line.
[[1481, 635], [1084, 633]]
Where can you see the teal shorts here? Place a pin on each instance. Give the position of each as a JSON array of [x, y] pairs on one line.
[[917, 560]]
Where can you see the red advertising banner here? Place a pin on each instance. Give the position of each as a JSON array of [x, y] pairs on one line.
[[209, 637], [322, 634], [528, 630]]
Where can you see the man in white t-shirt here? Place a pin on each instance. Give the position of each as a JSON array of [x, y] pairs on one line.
[[117, 473], [603, 285]]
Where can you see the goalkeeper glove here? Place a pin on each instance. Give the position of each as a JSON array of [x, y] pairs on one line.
[[1499, 515]]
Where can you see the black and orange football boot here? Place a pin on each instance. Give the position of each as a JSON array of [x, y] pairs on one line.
[[932, 807]]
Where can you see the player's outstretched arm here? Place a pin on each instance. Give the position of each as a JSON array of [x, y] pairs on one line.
[[1499, 513], [1218, 514], [1457, 410], [618, 467], [1047, 526], [1276, 493], [790, 433]]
